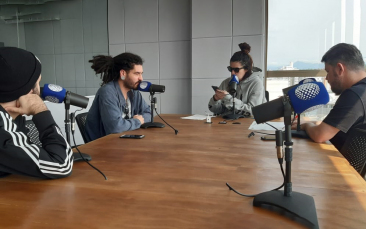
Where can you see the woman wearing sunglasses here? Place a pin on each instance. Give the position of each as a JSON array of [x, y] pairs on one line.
[[249, 92]]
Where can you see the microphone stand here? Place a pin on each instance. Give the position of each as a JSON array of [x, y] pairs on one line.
[[67, 102], [300, 205], [298, 132], [152, 106], [233, 116]]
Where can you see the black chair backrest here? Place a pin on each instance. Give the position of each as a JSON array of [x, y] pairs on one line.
[[354, 150], [266, 94], [33, 134], [81, 120]]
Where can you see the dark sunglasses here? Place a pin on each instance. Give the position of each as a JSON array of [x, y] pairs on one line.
[[236, 70]]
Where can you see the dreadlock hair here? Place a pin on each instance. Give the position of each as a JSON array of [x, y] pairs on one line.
[[244, 58], [109, 67]]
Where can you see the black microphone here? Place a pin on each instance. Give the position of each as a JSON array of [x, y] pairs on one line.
[[149, 87]]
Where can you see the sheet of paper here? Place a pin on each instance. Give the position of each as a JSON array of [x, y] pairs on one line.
[[196, 117], [263, 126]]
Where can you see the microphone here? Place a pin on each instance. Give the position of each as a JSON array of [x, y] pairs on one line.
[[233, 84], [58, 94], [303, 98], [146, 86]]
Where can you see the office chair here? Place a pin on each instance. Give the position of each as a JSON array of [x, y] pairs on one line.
[[354, 150], [33, 134], [81, 120], [266, 94]]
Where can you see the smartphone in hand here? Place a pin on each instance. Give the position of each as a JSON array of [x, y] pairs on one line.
[[135, 136], [215, 88]]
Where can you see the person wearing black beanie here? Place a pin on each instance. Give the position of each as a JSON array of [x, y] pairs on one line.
[[20, 74]]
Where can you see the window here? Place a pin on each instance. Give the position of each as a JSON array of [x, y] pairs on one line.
[[300, 32]]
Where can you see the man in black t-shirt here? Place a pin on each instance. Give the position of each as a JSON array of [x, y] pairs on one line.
[[347, 77]]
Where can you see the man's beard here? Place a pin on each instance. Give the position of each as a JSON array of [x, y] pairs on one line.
[[130, 85], [337, 89]]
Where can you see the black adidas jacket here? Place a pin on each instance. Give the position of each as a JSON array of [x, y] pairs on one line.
[[19, 156]]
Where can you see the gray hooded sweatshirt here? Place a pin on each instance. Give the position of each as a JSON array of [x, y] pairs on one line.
[[250, 93]]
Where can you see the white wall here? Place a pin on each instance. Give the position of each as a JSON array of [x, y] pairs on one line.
[[186, 44], [216, 32], [160, 32]]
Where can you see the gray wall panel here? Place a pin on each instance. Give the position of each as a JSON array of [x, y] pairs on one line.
[[256, 44], [115, 50], [116, 23], [141, 21], [248, 17], [201, 94], [39, 37], [56, 35], [174, 20], [177, 97], [210, 57], [48, 68], [95, 26], [72, 36], [67, 9], [211, 18], [150, 54], [175, 60], [9, 35]]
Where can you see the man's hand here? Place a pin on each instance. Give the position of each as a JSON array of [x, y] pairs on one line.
[[219, 94], [294, 124], [29, 104], [139, 117]]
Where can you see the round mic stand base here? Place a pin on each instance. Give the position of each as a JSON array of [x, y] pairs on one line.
[[77, 157], [298, 204], [233, 116], [152, 124]]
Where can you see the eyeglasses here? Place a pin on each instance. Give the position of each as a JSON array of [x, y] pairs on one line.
[[236, 70]]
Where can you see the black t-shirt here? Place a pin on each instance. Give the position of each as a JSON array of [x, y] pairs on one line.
[[348, 112]]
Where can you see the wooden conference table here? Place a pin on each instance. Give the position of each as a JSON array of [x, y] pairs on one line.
[[178, 181]]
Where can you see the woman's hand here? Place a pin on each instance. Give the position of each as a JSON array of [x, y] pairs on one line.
[[219, 94]]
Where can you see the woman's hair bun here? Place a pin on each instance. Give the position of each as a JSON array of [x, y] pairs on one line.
[[245, 47]]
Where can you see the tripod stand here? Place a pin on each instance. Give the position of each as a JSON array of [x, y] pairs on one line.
[[152, 106], [298, 204]]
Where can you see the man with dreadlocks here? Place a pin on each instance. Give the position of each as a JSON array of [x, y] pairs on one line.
[[117, 106]]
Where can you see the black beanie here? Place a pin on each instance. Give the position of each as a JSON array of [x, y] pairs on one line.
[[19, 72]]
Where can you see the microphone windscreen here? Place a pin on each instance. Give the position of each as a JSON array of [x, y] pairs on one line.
[[144, 86], [233, 84], [269, 110], [53, 93], [308, 96], [234, 79], [307, 80]]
